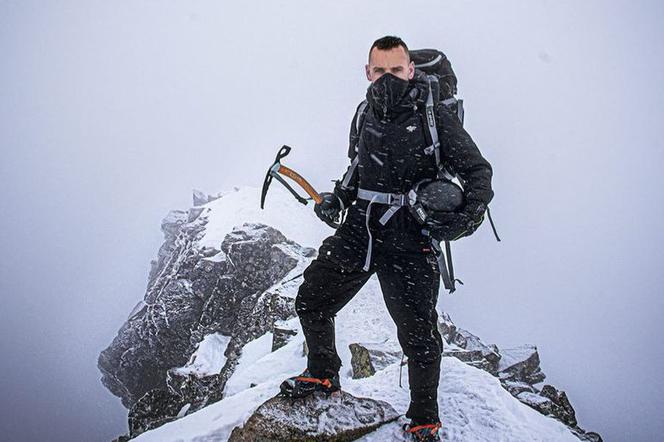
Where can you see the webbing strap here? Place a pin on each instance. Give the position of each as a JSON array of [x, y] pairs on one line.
[[431, 123], [367, 261], [350, 172], [445, 260], [394, 200], [360, 116]]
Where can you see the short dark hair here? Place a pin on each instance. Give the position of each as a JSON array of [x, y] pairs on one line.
[[388, 42]]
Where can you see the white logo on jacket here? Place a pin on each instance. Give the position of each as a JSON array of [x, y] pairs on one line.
[[411, 128]]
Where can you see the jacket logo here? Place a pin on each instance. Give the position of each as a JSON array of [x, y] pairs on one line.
[[411, 128]]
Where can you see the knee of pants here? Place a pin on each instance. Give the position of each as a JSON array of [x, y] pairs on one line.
[[308, 305], [302, 307], [424, 347]]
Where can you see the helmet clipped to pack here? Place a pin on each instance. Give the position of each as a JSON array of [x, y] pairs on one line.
[[430, 197]]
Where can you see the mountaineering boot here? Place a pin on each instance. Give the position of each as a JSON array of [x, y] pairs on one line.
[[305, 384], [423, 433]]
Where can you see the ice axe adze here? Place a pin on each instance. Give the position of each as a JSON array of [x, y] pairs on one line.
[[274, 172]]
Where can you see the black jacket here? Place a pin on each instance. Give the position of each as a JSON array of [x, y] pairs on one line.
[[392, 157]]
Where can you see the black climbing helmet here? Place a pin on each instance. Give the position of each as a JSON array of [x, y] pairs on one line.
[[430, 196]]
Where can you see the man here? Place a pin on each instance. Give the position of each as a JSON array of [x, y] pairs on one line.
[[381, 236]]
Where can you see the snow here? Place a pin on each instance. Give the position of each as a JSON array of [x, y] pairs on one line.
[[282, 211], [219, 257], [474, 406], [208, 359], [245, 373]]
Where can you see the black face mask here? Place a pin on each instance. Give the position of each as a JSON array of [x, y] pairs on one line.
[[387, 91]]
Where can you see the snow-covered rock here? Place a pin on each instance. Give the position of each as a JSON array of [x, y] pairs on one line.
[[520, 363], [339, 417], [216, 333]]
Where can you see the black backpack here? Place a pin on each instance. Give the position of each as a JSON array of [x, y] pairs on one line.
[[434, 62]]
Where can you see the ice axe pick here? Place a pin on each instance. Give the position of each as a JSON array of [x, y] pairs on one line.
[[277, 169]]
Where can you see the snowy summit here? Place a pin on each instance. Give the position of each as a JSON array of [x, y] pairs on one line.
[[216, 333]]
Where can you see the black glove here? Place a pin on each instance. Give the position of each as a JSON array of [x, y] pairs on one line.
[[450, 226], [329, 208]]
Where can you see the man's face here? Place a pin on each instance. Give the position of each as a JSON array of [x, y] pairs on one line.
[[395, 61]]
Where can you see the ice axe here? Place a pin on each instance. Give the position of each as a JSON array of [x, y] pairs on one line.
[[274, 172]]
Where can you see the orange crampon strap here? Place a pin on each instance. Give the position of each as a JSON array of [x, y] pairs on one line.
[[434, 428], [324, 382]]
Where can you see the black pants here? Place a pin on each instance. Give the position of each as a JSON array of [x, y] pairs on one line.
[[409, 279]]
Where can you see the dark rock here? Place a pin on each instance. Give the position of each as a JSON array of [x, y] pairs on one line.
[[467, 340], [361, 362], [464, 355], [153, 409], [281, 335], [563, 410], [339, 417], [192, 293], [368, 358], [516, 387], [589, 436], [520, 364]]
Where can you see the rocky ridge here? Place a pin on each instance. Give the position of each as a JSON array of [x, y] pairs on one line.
[[205, 301]]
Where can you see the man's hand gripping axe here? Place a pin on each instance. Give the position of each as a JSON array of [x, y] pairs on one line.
[[278, 168]]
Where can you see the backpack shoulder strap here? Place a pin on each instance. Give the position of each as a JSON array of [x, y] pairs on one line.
[[361, 112], [433, 130], [356, 128]]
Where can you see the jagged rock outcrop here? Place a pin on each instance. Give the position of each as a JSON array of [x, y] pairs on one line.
[[338, 418], [183, 341], [518, 369], [521, 364], [194, 292]]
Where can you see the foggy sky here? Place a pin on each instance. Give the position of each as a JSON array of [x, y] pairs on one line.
[[112, 112]]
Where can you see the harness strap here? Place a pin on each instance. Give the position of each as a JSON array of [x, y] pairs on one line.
[[394, 200], [431, 124]]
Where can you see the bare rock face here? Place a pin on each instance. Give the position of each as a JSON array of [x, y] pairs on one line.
[[157, 407], [337, 418], [562, 409]]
